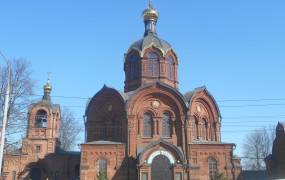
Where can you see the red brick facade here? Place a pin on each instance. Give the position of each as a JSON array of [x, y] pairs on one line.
[[195, 134], [148, 132], [151, 131]]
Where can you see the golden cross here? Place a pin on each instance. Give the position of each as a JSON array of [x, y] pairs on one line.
[[149, 3], [49, 75]]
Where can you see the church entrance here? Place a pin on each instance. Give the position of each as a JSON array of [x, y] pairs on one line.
[[161, 161], [161, 168]]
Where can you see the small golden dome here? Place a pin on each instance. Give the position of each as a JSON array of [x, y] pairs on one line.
[[150, 14], [47, 88]]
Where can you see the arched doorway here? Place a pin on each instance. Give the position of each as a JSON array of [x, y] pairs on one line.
[[161, 168]]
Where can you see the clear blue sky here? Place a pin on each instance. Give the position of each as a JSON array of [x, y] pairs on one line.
[[235, 48]]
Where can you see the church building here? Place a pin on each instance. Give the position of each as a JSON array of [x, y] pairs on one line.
[[151, 131]]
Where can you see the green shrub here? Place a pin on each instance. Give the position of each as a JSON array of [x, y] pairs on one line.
[[102, 176]]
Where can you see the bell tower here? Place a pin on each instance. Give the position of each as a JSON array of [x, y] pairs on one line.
[[43, 125]]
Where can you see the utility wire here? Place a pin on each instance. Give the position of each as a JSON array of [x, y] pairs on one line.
[[251, 100], [226, 100], [254, 117], [251, 158], [223, 132], [55, 96], [238, 106], [251, 105]]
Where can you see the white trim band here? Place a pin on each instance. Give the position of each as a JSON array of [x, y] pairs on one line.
[[161, 152]]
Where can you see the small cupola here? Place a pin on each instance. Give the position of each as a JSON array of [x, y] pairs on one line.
[[150, 16], [47, 91]]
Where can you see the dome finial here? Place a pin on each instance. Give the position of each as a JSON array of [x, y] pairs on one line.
[[149, 3], [47, 89], [150, 16], [48, 80]]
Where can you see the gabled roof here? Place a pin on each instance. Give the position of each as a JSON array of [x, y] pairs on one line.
[[171, 89], [189, 96], [185, 99], [161, 84], [124, 96], [48, 104]]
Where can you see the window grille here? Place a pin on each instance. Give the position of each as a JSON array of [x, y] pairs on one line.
[[166, 125], [196, 129], [144, 176], [205, 129], [213, 168], [134, 67], [178, 176], [38, 148], [153, 67], [147, 125], [102, 168], [215, 132], [170, 68]]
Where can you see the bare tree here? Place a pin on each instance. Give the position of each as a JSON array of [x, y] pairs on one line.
[[69, 130], [22, 86], [257, 146]]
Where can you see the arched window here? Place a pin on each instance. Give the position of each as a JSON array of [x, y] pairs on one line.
[[196, 129], [144, 176], [214, 135], [147, 125], [102, 168], [41, 119], [133, 66], [153, 65], [166, 125], [170, 67], [205, 129], [213, 168]]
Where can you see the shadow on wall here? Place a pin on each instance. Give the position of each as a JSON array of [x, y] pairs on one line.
[[66, 168], [255, 175], [127, 169]]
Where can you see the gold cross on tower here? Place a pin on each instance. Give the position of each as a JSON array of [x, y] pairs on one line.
[[149, 3], [49, 75]]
